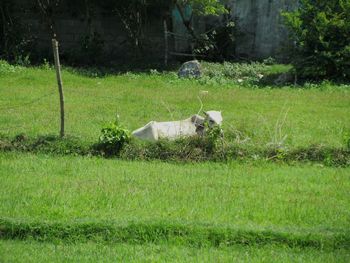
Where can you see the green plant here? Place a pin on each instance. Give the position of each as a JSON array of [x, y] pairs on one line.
[[237, 72], [112, 138], [321, 32], [91, 48], [213, 135], [217, 44], [346, 139], [22, 60], [269, 61], [6, 68], [16, 39]]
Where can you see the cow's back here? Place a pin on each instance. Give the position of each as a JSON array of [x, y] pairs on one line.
[[147, 132], [175, 129]]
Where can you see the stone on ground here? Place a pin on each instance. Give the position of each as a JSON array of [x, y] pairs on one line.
[[190, 69]]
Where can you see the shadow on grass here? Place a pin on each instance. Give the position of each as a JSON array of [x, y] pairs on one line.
[[122, 68]]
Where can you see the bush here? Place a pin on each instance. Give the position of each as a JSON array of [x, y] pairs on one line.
[[6, 68], [237, 72], [112, 139], [321, 32]]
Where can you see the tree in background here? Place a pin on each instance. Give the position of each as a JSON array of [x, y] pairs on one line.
[[321, 32], [48, 10], [16, 39], [199, 7], [134, 15], [217, 43]]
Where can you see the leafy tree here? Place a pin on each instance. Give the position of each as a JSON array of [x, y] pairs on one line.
[[199, 7], [17, 41], [321, 32]]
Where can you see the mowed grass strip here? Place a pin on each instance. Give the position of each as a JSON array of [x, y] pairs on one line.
[[293, 116], [31, 251], [260, 198]]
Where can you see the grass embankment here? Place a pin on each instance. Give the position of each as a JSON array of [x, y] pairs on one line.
[[77, 199]]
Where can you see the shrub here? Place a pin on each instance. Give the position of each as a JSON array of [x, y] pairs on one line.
[[237, 72], [321, 32], [112, 139], [6, 68]]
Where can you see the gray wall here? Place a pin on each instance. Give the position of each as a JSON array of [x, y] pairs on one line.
[[258, 21], [261, 25], [71, 28]]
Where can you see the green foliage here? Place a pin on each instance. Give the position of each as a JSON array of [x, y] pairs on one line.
[[270, 61], [233, 72], [6, 68], [213, 135], [217, 44], [205, 7], [91, 49], [321, 31], [17, 42], [346, 139], [112, 138]]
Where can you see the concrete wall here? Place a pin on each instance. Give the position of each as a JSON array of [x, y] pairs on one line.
[[71, 28], [261, 25]]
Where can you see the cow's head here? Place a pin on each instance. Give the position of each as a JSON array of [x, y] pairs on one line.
[[213, 117]]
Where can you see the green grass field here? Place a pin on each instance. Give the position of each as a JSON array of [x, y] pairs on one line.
[[242, 195], [85, 209], [15, 251], [265, 115]]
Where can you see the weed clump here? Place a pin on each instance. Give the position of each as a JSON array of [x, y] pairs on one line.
[[112, 139]]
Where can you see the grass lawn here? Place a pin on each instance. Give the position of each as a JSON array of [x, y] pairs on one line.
[[71, 208], [250, 197], [30, 251], [304, 116]]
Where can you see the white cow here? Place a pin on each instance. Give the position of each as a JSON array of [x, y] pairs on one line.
[[194, 125]]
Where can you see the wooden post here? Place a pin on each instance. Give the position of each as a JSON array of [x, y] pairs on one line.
[[166, 52], [59, 82]]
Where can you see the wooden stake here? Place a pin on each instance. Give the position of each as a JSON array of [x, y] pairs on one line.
[[59, 82], [166, 44]]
